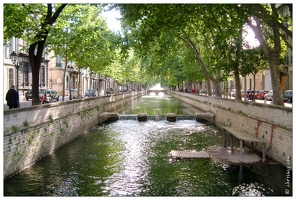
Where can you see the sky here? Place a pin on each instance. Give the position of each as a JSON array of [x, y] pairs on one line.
[[114, 25], [112, 21]]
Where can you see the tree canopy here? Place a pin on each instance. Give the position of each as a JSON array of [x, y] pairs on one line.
[[171, 42], [213, 33]]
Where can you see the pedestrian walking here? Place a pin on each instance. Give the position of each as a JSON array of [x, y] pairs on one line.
[[12, 98]]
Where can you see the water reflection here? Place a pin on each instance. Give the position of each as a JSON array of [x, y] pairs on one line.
[[130, 158], [160, 104]]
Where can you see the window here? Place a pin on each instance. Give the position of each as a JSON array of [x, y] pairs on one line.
[[58, 61], [11, 77], [42, 76], [26, 73]]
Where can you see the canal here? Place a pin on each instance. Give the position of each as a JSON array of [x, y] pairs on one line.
[[130, 158]]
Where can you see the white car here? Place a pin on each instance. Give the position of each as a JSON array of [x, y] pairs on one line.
[[269, 96]]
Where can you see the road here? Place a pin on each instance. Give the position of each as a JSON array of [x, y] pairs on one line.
[[24, 103]]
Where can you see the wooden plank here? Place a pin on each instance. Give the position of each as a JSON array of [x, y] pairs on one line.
[[189, 154], [243, 135], [225, 155]]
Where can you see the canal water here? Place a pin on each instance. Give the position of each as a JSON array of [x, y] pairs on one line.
[[131, 158]]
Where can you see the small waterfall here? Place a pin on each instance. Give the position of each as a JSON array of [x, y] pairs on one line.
[[128, 117], [155, 117], [185, 117]]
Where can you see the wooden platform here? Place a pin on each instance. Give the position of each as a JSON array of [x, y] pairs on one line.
[[228, 156], [243, 135], [189, 154], [224, 154]]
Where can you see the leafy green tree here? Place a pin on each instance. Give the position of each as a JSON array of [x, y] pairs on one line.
[[82, 36], [270, 28], [253, 63], [200, 28], [31, 22]]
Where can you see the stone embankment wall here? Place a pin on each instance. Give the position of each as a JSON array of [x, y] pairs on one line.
[[271, 123], [32, 133]]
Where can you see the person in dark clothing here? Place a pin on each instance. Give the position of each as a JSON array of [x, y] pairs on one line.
[[12, 98]]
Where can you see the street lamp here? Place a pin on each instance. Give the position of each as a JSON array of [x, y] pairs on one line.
[[17, 61], [70, 84]]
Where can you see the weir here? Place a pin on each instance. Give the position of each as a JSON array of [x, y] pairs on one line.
[[155, 117], [220, 154]]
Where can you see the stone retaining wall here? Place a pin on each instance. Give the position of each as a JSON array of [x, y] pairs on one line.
[[32, 133], [272, 123]]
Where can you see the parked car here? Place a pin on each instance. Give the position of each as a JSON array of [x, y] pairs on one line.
[[288, 94], [260, 94], [90, 93], [233, 92], [202, 92], [250, 94], [28, 95], [50, 95], [74, 94], [269, 96], [110, 91]]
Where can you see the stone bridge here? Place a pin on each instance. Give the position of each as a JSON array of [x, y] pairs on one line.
[[156, 91]]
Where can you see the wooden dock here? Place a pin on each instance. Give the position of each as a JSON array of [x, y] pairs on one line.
[[189, 154], [243, 136], [227, 154]]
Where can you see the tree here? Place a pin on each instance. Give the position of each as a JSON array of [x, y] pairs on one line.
[[253, 62], [81, 36], [201, 29], [268, 27], [31, 22]]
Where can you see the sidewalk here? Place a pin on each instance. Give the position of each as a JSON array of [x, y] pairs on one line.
[[5, 107]]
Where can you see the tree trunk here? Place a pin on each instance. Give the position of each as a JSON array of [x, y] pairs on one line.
[[35, 62], [276, 83], [79, 88], [64, 78], [38, 47], [191, 46], [272, 54], [99, 84], [209, 86], [238, 94], [254, 76]]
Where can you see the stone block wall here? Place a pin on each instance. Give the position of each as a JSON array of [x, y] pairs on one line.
[[271, 123], [32, 133]]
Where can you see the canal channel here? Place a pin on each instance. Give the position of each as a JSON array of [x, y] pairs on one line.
[[131, 158]]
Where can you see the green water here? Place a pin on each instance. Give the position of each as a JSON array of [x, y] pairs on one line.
[[158, 105], [131, 158]]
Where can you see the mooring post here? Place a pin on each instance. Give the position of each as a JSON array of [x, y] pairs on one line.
[[231, 143], [263, 153], [224, 138], [241, 150]]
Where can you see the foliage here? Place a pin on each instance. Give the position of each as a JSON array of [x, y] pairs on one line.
[[33, 29]]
